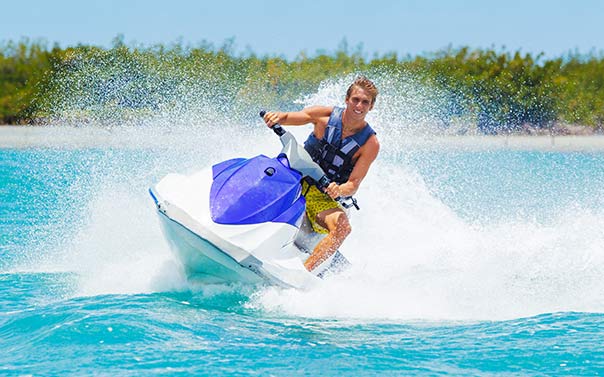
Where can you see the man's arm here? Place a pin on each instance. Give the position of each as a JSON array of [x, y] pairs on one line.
[[369, 152], [312, 114]]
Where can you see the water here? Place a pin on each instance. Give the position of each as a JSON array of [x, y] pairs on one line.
[[467, 259], [466, 262]]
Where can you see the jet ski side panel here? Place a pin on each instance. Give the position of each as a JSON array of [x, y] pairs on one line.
[[202, 261]]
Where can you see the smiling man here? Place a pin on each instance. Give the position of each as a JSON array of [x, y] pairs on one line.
[[344, 145]]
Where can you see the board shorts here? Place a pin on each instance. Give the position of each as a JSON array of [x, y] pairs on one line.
[[316, 202]]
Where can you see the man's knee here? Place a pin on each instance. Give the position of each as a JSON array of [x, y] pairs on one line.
[[343, 227], [336, 222]]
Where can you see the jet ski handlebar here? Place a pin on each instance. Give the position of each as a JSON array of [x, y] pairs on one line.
[[346, 202], [276, 127], [323, 182]]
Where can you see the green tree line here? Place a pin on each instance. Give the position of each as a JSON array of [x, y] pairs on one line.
[[503, 91]]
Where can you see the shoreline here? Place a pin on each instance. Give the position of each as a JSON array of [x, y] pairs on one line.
[[64, 137]]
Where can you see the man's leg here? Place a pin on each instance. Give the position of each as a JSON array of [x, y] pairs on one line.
[[336, 222]]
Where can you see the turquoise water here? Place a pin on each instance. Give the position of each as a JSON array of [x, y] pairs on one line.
[[465, 263]]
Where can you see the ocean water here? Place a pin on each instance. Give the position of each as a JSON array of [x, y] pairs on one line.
[[466, 261], [469, 258]]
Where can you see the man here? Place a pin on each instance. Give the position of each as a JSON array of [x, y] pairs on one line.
[[344, 145]]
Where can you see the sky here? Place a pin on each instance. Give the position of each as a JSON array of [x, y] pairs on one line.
[[287, 28]]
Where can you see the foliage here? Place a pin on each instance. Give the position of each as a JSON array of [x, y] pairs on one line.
[[503, 91], [21, 66]]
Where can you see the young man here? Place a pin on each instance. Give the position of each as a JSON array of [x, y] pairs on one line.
[[344, 145]]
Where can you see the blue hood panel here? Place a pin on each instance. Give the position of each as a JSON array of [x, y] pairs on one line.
[[255, 190]]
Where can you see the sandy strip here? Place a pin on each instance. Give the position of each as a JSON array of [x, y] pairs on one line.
[[21, 137], [522, 143]]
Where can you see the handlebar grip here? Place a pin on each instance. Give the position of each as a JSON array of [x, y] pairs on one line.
[[276, 127], [346, 202]]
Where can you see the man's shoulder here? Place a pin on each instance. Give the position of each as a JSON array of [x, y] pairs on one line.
[[319, 111], [320, 114], [372, 143]]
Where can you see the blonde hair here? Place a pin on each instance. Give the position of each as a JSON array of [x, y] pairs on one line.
[[367, 85]]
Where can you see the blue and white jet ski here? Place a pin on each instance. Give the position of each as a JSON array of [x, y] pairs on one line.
[[244, 220]]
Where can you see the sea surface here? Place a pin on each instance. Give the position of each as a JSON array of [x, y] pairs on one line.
[[466, 262]]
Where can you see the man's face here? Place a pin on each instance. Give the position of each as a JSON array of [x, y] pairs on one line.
[[359, 103]]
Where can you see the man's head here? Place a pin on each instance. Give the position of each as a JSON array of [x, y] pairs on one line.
[[360, 98], [365, 84]]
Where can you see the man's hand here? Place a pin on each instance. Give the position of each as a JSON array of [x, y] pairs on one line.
[[271, 118], [333, 190]]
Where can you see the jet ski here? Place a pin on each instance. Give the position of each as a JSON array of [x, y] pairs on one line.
[[243, 220]]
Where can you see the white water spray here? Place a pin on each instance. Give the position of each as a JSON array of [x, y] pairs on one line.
[[413, 256]]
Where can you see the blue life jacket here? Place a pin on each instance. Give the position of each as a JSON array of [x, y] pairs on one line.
[[333, 153]]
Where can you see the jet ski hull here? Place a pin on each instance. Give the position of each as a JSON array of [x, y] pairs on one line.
[[212, 252], [202, 261]]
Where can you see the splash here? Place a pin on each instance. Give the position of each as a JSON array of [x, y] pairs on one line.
[[415, 259], [414, 256]]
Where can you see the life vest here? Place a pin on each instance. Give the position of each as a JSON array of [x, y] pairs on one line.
[[333, 153]]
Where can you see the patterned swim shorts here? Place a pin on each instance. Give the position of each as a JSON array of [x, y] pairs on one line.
[[316, 202]]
